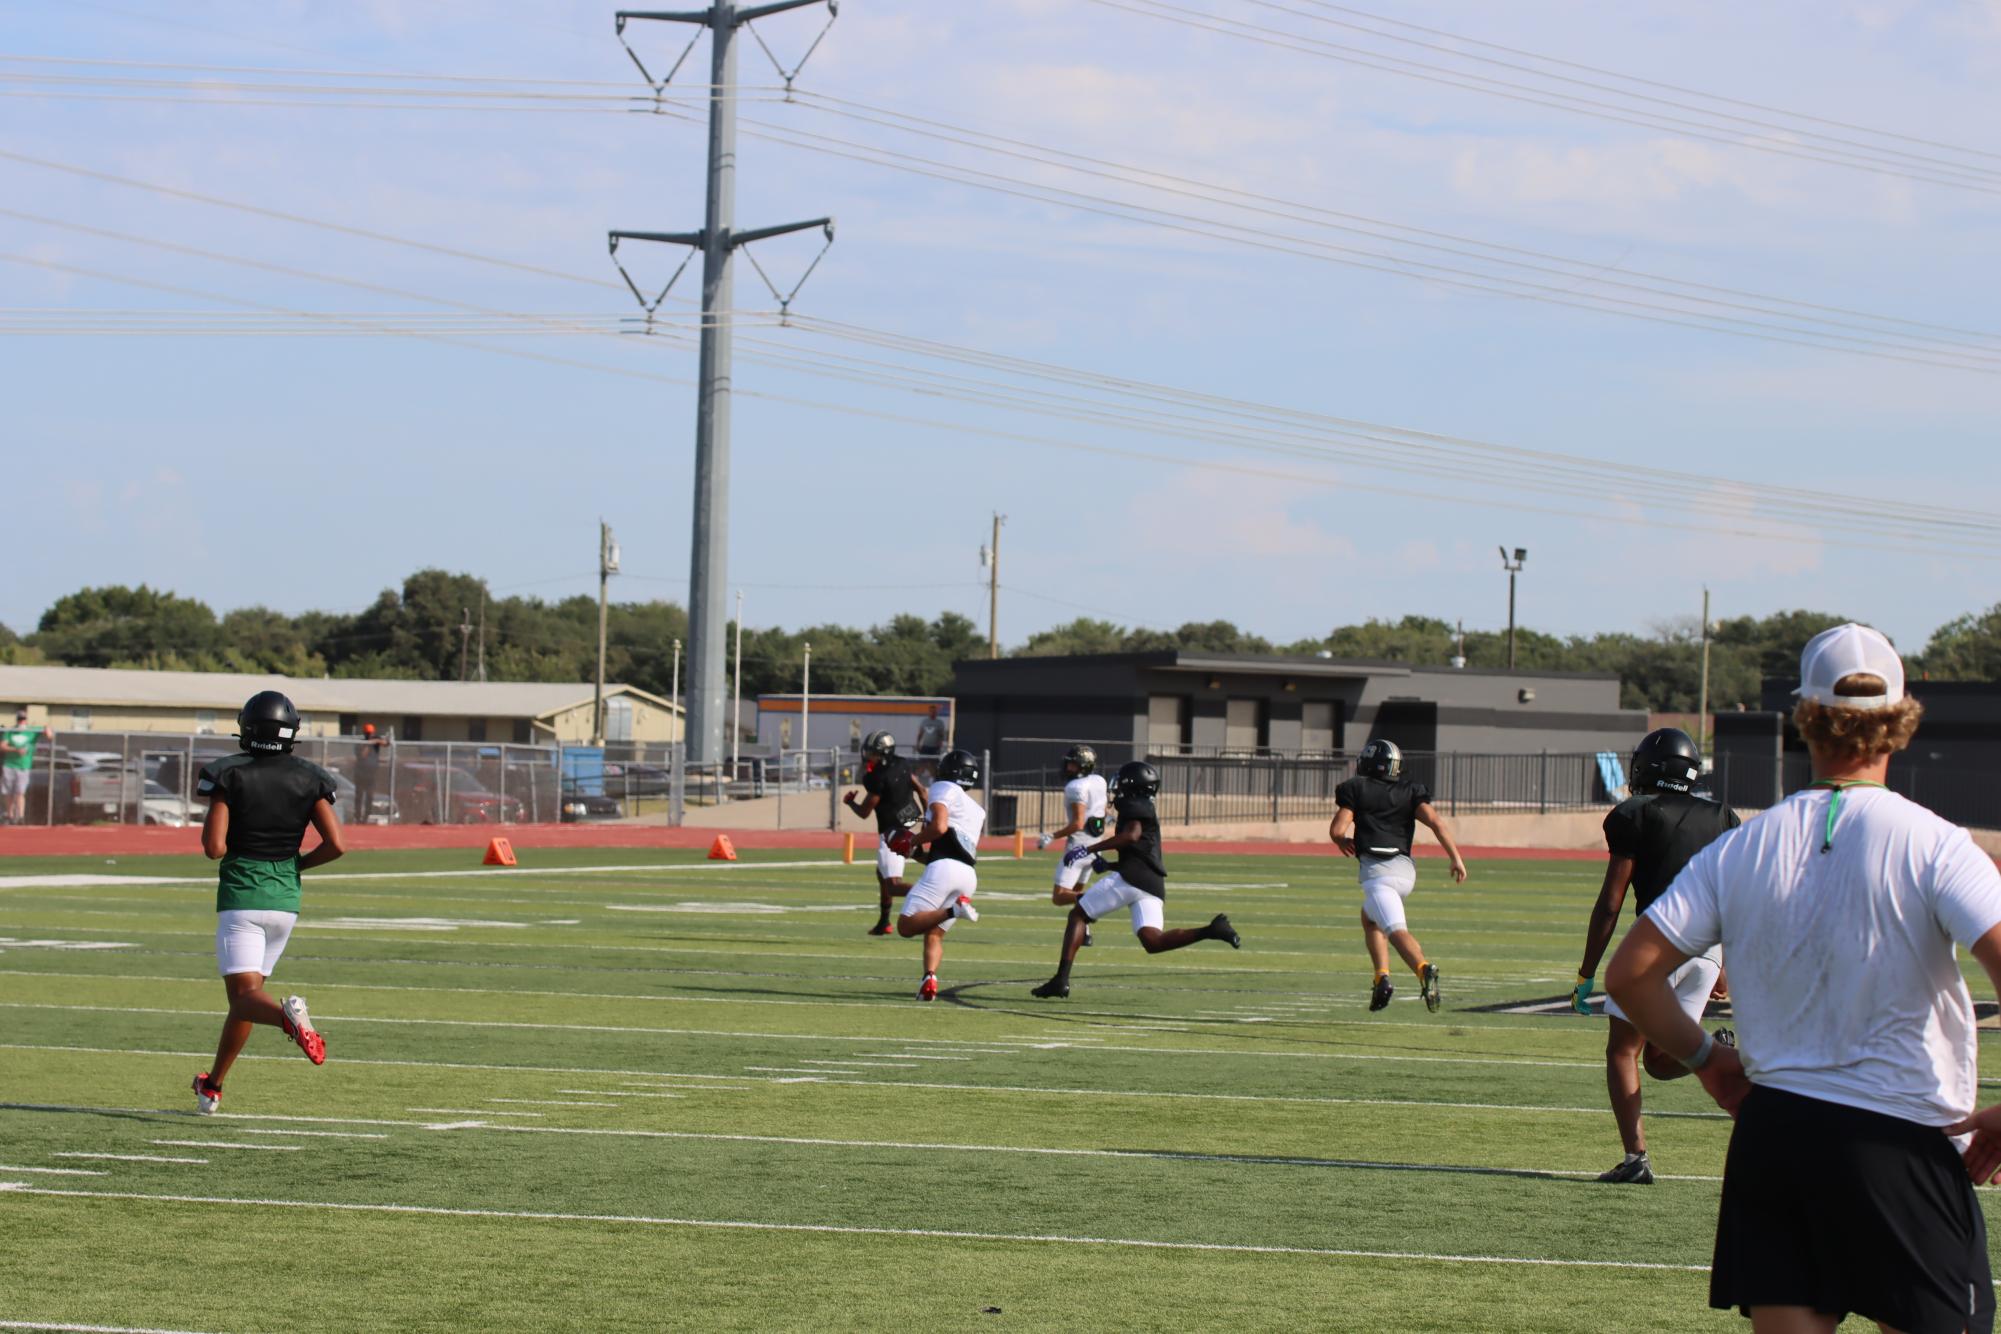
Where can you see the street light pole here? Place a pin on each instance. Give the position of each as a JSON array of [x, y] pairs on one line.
[[1513, 567]]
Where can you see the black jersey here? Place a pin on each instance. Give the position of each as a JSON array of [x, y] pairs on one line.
[[1660, 831], [1141, 864], [1385, 813], [896, 803], [270, 800]]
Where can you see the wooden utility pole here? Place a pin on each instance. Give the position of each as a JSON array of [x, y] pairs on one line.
[[465, 638], [1702, 699], [607, 567], [993, 589]]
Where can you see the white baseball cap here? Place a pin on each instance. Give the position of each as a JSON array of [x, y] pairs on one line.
[[1849, 650]]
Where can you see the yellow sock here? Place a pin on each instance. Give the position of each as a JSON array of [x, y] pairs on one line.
[[1382, 973]]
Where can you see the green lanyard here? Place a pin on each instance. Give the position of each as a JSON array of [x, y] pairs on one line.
[[1837, 786]]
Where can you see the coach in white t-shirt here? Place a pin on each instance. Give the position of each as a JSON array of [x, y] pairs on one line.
[[1839, 910]]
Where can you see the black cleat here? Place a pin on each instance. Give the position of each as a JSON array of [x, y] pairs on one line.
[[1725, 1037], [1427, 987], [1632, 1172], [1379, 995], [1220, 929], [1052, 990]]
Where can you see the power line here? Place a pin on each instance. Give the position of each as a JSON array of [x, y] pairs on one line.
[[1964, 178]]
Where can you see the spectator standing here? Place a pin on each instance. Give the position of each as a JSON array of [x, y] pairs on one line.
[[367, 772], [17, 763], [1839, 910]]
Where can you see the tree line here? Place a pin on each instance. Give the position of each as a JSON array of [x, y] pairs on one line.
[[420, 632]]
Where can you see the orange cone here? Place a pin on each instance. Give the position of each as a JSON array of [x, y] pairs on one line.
[[721, 850], [848, 849], [499, 852]]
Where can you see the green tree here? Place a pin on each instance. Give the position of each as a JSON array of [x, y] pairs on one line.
[[1966, 649], [116, 626], [1083, 635]]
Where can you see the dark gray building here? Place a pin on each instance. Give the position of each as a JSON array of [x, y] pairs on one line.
[[1177, 702], [1953, 765]]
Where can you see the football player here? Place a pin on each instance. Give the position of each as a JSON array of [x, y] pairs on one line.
[[1377, 815], [950, 839], [260, 803], [1139, 882], [1649, 837], [1084, 804], [895, 796]]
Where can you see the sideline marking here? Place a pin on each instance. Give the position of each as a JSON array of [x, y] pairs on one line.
[[317, 1134], [225, 1144], [610, 1093], [484, 873], [456, 1111], [744, 1225]]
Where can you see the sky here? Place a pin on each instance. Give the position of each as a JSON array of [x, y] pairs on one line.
[[305, 472]]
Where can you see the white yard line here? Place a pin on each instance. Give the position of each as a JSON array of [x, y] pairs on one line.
[[90, 1329], [56, 1171], [226, 1144], [612, 1093], [328, 1134], [60, 881], [828, 1077], [129, 1158], [914, 1056], [463, 1111], [808, 1070], [1135, 1243], [547, 1102], [1097, 1044]]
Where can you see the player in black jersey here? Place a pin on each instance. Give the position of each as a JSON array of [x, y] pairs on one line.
[[1138, 881], [1378, 813], [896, 799], [260, 803], [1649, 837]]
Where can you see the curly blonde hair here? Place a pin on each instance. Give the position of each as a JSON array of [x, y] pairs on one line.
[[1858, 734]]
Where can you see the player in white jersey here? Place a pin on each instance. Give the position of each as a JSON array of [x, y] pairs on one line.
[[950, 840], [1084, 803]]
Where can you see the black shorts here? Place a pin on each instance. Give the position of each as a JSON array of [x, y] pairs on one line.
[[1850, 1211]]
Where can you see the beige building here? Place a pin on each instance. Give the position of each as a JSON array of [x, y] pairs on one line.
[[68, 700]]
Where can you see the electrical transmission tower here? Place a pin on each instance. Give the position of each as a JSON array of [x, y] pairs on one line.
[[718, 241]]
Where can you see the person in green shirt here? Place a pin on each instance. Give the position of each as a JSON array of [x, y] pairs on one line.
[[260, 804], [17, 761]]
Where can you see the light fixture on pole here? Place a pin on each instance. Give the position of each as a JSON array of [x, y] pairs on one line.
[[1513, 567]]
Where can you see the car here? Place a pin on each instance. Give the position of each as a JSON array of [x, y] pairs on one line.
[[589, 806], [161, 805], [432, 793]]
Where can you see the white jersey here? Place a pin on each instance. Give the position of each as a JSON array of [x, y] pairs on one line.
[[1842, 970], [963, 816], [1088, 791]]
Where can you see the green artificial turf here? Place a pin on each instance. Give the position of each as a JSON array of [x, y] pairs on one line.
[[687, 1096]]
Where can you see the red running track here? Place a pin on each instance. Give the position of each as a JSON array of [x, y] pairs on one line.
[[142, 840]]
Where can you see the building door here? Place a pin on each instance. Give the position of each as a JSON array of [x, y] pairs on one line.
[[1166, 724], [1413, 725], [1243, 726]]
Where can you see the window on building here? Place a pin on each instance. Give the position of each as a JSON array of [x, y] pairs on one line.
[[1166, 723], [1243, 724], [1316, 725], [618, 719], [413, 728], [475, 729], [523, 731], [79, 718], [205, 722]]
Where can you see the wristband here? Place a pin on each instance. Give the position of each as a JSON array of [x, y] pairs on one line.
[[1700, 1056]]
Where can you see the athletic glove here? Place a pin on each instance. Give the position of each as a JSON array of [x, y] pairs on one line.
[[1076, 854], [902, 842], [1099, 865], [1042, 842], [1580, 995]]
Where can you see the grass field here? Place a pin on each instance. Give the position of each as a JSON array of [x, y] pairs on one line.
[[629, 1090]]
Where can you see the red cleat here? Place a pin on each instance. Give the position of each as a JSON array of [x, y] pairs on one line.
[[298, 1026], [929, 990], [208, 1094], [882, 929]]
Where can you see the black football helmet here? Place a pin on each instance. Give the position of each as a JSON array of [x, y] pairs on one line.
[[961, 767], [1085, 758], [1380, 759], [267, 722], [1667, 760], [879, 746], [1136, 778]]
